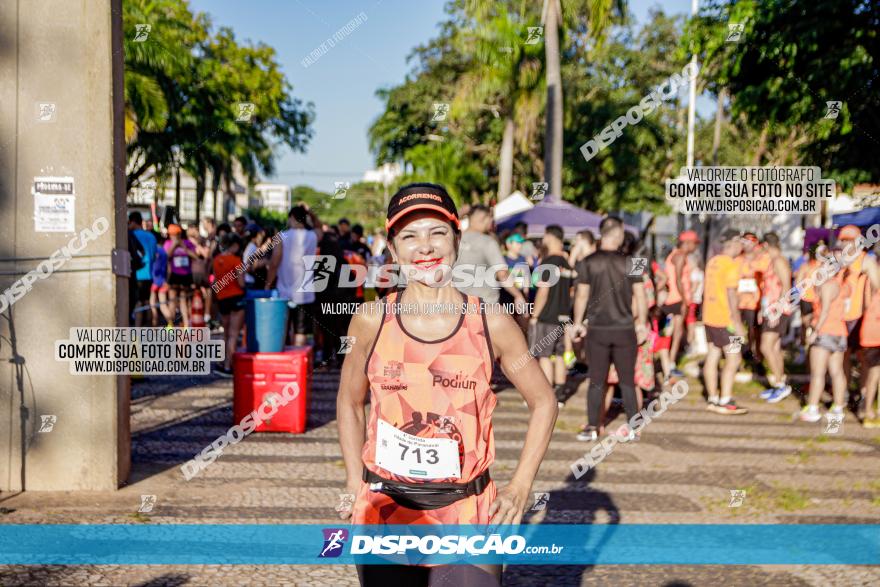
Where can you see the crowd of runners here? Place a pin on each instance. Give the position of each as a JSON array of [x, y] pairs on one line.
[[614, 313], [606, 310], [628, 320]]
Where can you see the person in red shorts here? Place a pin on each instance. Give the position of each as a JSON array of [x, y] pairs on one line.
[[229, 281], [423, 456]]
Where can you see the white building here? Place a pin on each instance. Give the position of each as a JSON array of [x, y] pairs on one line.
[[151, 191], [273, 196], [386, 174]]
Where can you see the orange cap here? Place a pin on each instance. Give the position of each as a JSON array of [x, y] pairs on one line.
[[688, 236], [174, 229], [850, 232]]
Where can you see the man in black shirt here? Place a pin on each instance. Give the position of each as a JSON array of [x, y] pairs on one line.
[[356, 242], [552, 311], [332, 324], [606, 291]]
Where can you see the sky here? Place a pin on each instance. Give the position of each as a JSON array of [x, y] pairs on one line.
[[342, 83]]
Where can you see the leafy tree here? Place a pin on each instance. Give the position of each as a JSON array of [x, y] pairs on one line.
[[504, 80], [605, 81], [152, 62], [794, 56], [364, 203], [205, 79]]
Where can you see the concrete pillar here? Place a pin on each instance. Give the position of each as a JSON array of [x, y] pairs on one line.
[[68, 54]]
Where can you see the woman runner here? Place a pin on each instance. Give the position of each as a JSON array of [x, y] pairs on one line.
[[427, 374], [828, 342]]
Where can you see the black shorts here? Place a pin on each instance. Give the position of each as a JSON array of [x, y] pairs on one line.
[[301, 317], [853, 339], [749, 317], [143, 291], [718, 336], [176, 280], [674, 309], [806, 308], [546, 339], [230, 305], [781, 327], [871, 356]]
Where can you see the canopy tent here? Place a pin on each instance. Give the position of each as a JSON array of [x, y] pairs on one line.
[[814, 235], [551, 210], [866, 217], [515, 202]]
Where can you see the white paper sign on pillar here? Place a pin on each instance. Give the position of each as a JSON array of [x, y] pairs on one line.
[[54, 204]]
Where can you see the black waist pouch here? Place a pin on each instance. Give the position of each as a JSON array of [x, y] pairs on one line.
[[426, 496]]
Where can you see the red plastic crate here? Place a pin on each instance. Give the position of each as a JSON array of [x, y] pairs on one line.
[[258, 375]]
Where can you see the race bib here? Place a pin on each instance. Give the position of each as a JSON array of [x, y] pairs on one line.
[[747, 285], [413, 456], [180, 262]]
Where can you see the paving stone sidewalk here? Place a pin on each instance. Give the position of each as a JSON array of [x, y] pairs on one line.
[[682, 471]]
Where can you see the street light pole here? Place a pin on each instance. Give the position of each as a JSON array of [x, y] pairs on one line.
[[692, 104]]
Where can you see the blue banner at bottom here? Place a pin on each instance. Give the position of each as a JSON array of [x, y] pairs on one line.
[[541, 544]]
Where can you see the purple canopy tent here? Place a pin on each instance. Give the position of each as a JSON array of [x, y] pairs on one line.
[[551, 210], [814, 235]]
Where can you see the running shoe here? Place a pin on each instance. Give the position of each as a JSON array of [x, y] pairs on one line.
[[779, 394], [711, 403], [836, 410], [871, 423], [810, 414], [569, 358], [223, 372], [588, 434], [728, 409], [559, 392], [626, 434], [767, 393], [676, 373]]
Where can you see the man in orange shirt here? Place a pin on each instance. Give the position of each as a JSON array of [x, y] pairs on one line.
[[229, 287], [719, 313]]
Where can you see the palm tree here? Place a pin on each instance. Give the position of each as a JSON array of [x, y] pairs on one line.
[[600, 12], [553, 130], [152, 60], [505, 81]]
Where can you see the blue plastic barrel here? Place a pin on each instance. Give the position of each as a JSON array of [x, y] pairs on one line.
[[266, 320], [251, 294]]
